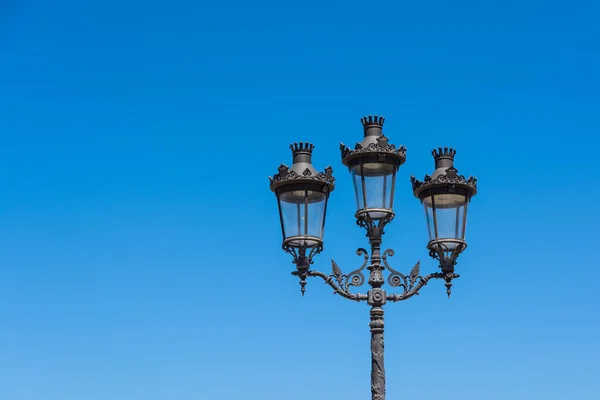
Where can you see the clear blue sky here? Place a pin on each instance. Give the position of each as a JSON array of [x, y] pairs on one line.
[[140, 244]]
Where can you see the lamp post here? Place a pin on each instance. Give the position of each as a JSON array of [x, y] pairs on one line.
[[302, 195]]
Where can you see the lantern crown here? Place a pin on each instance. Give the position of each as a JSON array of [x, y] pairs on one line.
[[374, 147], [302, 171], [372, 121], [443, 152], [445, 175], [373, 126], [302, 148]]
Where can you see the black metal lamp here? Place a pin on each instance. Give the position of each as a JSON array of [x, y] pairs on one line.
[[302, 195], [373, 164], [445, 196]]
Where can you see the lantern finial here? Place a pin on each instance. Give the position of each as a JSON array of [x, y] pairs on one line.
[[444, 157], [302, 152], [372, 125], [372, 121], [302, 148]]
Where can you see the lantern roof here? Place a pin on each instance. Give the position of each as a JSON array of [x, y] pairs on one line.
[[302, 170], [375, 145], [445, 175]]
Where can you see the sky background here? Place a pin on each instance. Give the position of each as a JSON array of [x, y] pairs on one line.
[[140, 245]]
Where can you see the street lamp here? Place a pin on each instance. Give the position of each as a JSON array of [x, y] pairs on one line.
[[302, 195], [445, 196]]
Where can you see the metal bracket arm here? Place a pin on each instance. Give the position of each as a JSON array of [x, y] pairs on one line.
[[422, 281], [336, 289]]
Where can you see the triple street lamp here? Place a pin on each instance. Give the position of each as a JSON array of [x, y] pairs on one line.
[[302, 195]]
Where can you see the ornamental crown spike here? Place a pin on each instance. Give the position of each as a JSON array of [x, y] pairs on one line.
[[302, 152], [372, 121], [302, 148], [372, 125], [444, 157], [302, 171], [444, 174], [373, 146], [443, 152]]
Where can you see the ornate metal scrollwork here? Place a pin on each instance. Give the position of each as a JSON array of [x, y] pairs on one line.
[[447, 259], [302, 261], [374, 227], [413, 282], [398, 279], [344, 281], [448, 176], [441, 252], [299, 254], [337, 273], [382, 146], [356, 277], [286, 174], [339, 281]]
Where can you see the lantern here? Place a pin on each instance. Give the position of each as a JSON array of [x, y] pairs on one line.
[[373, 165], [445, 195], [302, 195]]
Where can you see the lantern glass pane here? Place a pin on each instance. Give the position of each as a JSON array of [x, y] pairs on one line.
[[446, 217], [302, 216], [316, 215], [374, 187]]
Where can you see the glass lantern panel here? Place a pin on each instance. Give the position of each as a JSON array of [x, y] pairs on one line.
[[374, 186], [316, 214], [446, 217], [430, 223], [302, 215], [292, 212], [358, 187]]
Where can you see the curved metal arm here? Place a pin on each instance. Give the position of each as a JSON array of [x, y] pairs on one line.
[[421, 281], [413, 282], [354, 278], [398, 279], [344, 293]]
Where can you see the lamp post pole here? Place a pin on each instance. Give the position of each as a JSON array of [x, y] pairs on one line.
[[302, 195], [376, 299]]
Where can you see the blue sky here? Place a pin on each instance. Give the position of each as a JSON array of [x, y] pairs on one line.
[[140, 244]]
